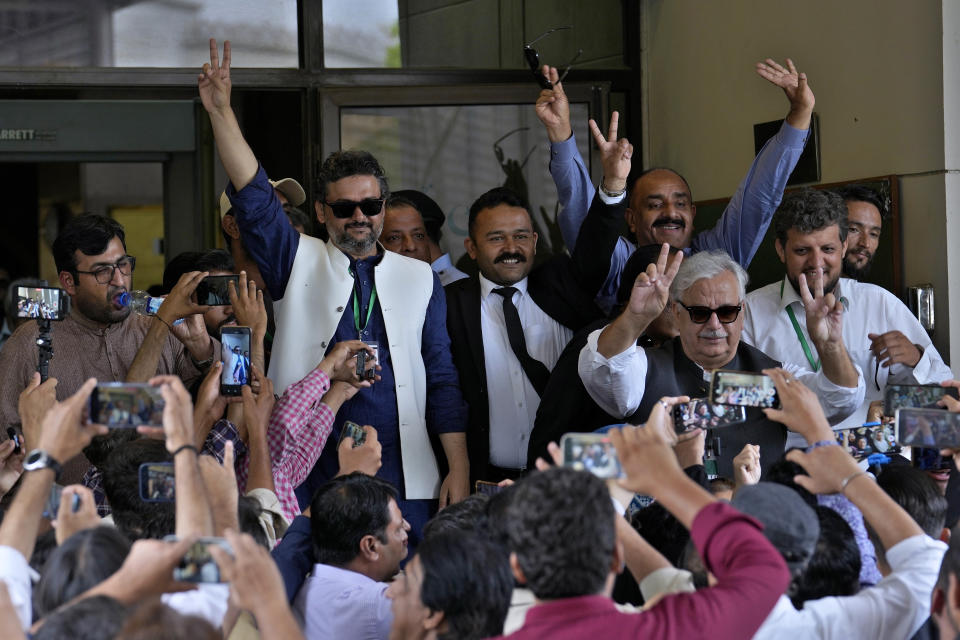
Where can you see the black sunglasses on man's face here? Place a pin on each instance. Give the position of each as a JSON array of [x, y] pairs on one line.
[[533, 59], [344, 208]]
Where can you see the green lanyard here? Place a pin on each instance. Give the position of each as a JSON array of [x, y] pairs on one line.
[[814, 363], [356, 309]]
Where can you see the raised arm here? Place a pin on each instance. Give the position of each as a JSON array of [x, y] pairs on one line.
[[825, 326], [744, 223], [214, 85]]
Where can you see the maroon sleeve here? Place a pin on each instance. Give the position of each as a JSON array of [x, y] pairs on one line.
[[751, 577]]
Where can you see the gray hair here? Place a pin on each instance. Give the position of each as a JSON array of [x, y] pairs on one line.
[[706, 264]]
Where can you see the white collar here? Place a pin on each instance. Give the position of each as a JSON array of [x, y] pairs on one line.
[[487, 287]]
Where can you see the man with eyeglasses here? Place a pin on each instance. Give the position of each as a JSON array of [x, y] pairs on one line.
[[349, 288], [101, 337], [706, 292], [884, 339]]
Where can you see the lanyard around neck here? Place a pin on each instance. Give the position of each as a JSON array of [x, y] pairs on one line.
[[356, 306], [814, 362]]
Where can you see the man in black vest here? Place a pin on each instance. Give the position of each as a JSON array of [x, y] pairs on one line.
[[706, 293], [508, 326]]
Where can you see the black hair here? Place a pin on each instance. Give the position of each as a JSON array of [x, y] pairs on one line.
[[427, 207], [783, 471], [722, 483], [346, 509], [834, 567], [468, 578], [918, 495], [83, 561], [89, 234], [951, 563], [495, 515], [861, 193], [121, 484], [101, 447], [297, 217], [154, 620], [467, 515], [92, 618], [494, 198], [343, 164], [643, 173], [210, 260], [808, 210], [561, 528], [248, 514]]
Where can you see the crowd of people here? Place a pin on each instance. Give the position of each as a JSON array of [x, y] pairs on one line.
[[718, 521]]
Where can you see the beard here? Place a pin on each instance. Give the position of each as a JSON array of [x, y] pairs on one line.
[[353, 245], [101, 311], [828, 286], [854, 272]]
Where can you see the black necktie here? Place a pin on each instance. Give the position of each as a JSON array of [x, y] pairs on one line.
[[536, 371]]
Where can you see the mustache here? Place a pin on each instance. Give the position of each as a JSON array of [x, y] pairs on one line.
[[712, 333], [662, 222], [358, 225], [228, 320], [519, 257]]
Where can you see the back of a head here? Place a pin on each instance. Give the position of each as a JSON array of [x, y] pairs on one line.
[[121, 484], [92, 618], [427, 207], [783, 472], [154, 620], [950, 566], [89, 234], [468, 578], [466, 516], [788, 522], [560, 524], [807, 210], [343, 511], [834, 568], [918, 495], [83, 561], [343, 164]]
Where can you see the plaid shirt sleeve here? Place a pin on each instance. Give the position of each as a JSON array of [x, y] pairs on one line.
[[299, 427]]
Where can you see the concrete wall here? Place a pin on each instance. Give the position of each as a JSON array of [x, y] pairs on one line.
[[877, 69]]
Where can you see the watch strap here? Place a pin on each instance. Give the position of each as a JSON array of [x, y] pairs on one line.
[[37, 460]]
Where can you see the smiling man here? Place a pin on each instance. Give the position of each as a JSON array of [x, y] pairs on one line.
[[706, 294], [865, 222], [508, 327], [882, 337]]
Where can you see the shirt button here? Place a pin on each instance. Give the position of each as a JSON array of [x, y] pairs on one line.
[[323, 345], [339, 308]]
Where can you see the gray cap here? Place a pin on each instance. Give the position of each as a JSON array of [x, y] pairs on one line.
[[788, 522]]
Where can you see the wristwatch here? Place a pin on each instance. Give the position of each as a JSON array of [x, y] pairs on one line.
[[38, 459]]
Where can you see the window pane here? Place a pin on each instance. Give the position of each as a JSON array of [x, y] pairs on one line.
[[361, 33], [146, 33], [454, 154]]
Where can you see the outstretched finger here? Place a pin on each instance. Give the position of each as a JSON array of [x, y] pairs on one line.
[[662, 258], [776, 66], [612, 129], [597, 135], [791, 67], [214, 55], [226, 57], [674, 266], [805, 296]]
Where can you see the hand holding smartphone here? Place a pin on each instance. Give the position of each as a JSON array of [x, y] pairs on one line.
[[593, 452], [214, 290], [353, 430], [126, 405], [235, 355], [699, 413], [157, 482], [933, 428], [916, 396], [743, 388], [198, 564]]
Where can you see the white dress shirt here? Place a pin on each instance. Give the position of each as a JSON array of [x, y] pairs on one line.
[[443, 267], [869, 309], [512, 399], [618, 383]]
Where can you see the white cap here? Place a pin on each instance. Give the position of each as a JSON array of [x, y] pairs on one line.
[[289, 187]]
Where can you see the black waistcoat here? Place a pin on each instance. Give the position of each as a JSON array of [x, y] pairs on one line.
[[671, 373]]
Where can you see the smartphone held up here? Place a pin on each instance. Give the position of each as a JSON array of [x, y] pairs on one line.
[[743, 388], [593, 452], [235, 355]]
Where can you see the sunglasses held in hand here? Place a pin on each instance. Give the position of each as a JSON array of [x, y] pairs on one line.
[[533, 59]]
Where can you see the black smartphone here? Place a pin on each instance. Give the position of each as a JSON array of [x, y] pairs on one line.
[[353, 430], [862, 442], [933, 428], [198, 564], [914, 396], [44, 303], [126, 405], [52, 506], [744, 389], [593, 452], [699, 413], [235, 354], [17, 440], [367, 363], [213, 290], [488, 488], [157, 482]]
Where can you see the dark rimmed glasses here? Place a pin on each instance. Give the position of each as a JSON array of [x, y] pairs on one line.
[[344, 208], [701, 315], [533, 59], [104, 274]]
